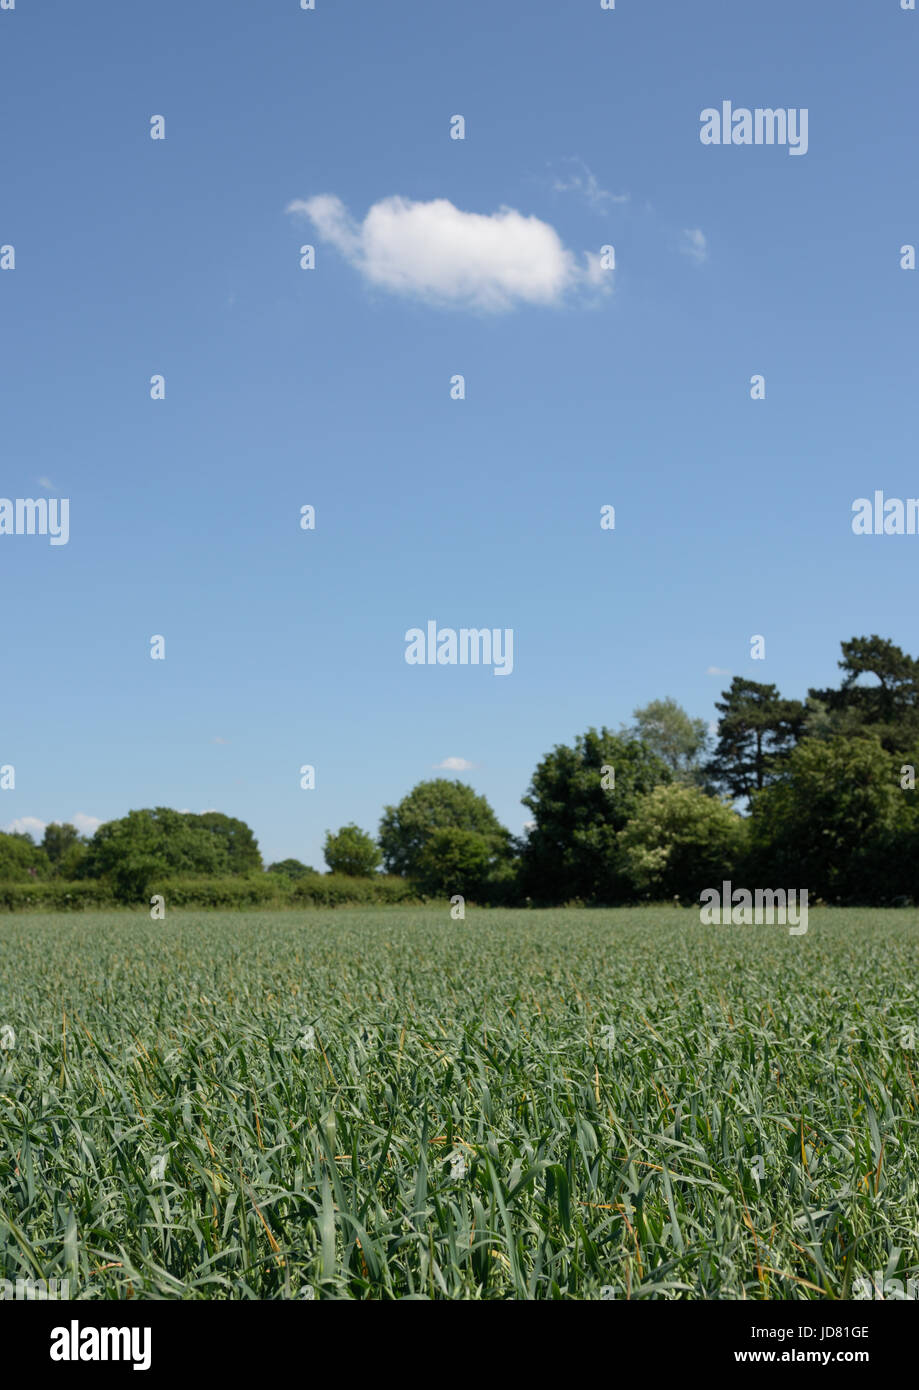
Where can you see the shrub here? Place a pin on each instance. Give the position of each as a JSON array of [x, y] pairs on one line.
[[55, 895]]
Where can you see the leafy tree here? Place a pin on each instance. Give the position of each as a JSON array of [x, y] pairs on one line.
[[352, 851], [888, 704], [822, 722], [679, 740], [435, 805], [680, 841], [292, 868], [58, 839], [457, 861], [241, 845], [836, 821], [145, 845], [21, 859], [70, 864], [572, 850], [757, 729]]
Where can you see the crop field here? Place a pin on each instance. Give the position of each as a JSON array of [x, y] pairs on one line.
[[387, 1103]]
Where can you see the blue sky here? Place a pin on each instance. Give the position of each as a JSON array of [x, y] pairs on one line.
[[332, 387]]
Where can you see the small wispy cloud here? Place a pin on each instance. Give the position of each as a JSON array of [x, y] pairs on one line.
[[445, 257], [454, 765], [716, 671], [694, 244], [47, 484], [218, 739], [583, 181]]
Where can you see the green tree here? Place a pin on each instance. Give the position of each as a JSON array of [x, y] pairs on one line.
[[435, 805], [143, 846], [457, 861], [291, 868], [21, 859], [888, 704], [678, 740], [757, 729], [58, 839], [680, 841], [572, 850], [836, 821], [241, 846], [351, 850]]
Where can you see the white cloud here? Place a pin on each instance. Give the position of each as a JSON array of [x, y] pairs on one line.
[[218, 739], [694, 244], [26, 825], [31, 825], [87, 825], [455, 765], [438, 253], [47, 484], [716, 671], [584, 181]]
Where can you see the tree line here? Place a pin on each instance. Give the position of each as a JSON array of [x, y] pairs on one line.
[[816, 793]]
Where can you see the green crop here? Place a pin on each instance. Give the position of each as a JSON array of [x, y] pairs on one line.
[[386, 1103]]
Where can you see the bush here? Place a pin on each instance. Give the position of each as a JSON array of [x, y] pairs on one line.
[[338, 890], [249, 891], [255, 890], [55, 895]]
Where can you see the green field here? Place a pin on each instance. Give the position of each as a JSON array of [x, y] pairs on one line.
[[464, 1124]]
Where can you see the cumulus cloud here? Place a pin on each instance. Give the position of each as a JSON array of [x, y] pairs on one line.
[[31, 825], [435, 252], [455, 765], [694, 244], [26, 825]]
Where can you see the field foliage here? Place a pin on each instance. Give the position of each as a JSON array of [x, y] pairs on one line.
[[387, 1103]]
